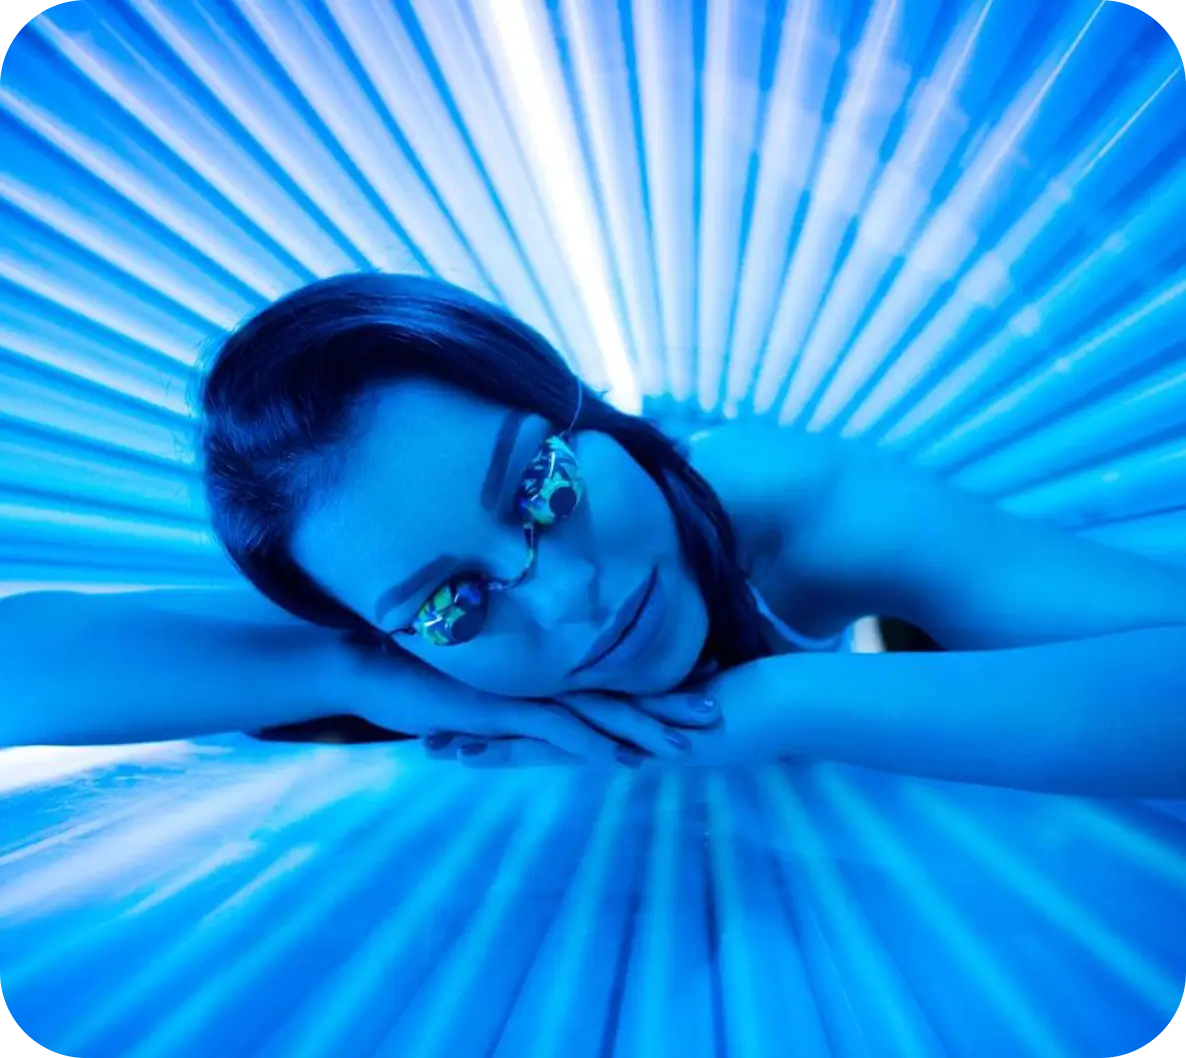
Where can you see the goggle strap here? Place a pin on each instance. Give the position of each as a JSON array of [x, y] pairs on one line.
[[577, 413]]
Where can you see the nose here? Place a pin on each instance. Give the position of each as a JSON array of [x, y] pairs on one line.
[[563, 589]]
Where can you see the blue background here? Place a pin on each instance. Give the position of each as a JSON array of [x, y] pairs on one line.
[[956, 228]]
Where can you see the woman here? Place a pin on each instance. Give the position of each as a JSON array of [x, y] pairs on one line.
[[524, 574]]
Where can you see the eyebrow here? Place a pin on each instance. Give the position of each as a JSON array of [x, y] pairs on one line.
[[431, 574]]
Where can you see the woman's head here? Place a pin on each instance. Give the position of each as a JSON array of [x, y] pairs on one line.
[[375, 445]]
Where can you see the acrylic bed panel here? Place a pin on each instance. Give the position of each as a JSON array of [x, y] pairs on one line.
[[281, 901], [957, 228]]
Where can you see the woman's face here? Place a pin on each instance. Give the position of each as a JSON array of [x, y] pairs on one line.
[[426, 492]]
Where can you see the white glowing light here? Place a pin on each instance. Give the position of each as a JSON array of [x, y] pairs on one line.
[[547, 134]]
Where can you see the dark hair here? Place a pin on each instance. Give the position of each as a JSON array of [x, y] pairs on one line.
[[282, 393]]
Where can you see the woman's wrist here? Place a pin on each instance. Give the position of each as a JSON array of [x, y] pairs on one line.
[[762, 704]]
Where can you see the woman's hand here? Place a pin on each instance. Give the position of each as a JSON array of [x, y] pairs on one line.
[[479, 729], [747, 721], [584, 728]]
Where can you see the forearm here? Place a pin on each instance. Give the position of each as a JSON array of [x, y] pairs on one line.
[[87, 670], [1103, 716]]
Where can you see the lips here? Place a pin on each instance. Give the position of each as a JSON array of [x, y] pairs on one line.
[[623, 622]]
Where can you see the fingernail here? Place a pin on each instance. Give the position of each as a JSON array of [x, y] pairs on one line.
[[630, 757], [677, 738], [703, 706], [439, 740], [472, 749]]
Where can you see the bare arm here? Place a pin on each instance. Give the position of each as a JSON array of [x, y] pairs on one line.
[[1098, 716], [891, 539], [80, 669], [1064, 669]]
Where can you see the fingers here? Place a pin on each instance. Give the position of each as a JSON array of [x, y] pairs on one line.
[[630, 725], [488, 753], [586, 728], [512, 753], [570, 732], [442, 745], [683, 710], [545, 721], [507, 719]]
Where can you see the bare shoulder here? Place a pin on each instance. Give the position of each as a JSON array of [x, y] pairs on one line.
[[766, 475], [828, 527]]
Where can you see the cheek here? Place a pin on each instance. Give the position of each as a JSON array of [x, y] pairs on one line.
[[629, 522], [630, 514]]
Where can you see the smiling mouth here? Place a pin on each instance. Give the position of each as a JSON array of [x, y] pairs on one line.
[[647, 591]]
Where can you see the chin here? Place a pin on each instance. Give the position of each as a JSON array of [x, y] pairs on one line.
[[670, 662], [672, 666]]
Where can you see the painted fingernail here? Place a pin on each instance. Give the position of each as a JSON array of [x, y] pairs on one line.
[[704, 706], [677, 738], [630, 757], [472, 749]]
